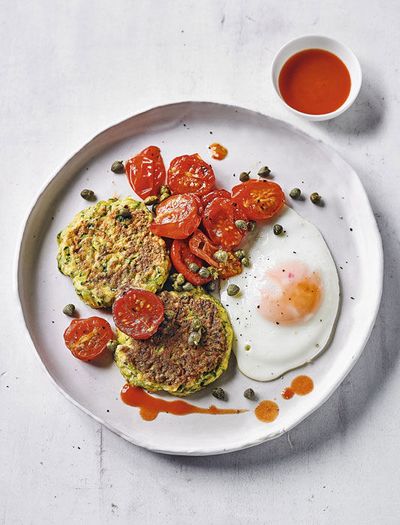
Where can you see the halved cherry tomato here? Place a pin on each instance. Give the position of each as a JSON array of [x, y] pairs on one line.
[[259, 199], [138, 313], [88, 338], [224, 194], [201, 246], [219, 221], [146, 172], [230, 268], [181, 258], [190, 174], [177, 217]]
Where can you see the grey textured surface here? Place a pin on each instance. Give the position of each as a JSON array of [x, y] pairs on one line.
[[68, 70]]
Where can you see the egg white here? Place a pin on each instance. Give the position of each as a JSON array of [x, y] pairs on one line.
[[277, 348]]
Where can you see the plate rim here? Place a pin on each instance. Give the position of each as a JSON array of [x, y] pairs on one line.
[[17, 286]]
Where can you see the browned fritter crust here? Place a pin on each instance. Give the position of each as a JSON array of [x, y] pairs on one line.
[[166, 360]]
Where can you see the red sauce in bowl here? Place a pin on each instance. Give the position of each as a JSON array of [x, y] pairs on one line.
[[314, 81]]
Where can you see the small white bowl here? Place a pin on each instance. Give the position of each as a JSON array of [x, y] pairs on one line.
[[328, 44]]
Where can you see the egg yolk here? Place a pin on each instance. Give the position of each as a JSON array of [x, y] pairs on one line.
[[291, 294]]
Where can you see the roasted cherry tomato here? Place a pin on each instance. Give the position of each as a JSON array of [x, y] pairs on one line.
[[181, 258], [259, 199], [146, 172], [190, 174], [138, 313], [177, 217], [230, 268], [88, 338], [206, 199], [201, 246], [219, 221]]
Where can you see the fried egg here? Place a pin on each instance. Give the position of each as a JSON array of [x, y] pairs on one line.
[[285, 312]]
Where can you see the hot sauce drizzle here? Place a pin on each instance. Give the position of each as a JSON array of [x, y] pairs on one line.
[[151, 406], [218, 152], [314, 81], [301, 385], [267, 411]]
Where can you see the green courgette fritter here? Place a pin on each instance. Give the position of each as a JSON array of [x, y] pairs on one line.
[[108, 247], [169, 360]]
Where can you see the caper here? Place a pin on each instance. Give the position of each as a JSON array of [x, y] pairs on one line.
[[194, 338], [203, 272], [211, 286], [245, 262], [88, 195], [239, 254], [241, 224], [118, 167], [163, 196], [196, 324], [244, 176], [169, 314], [233, 289], [249, 393], [219, 393], [151, 199], [180, 279], [69, 310], [112, 345], [264, 172], [247, 347], [221, 256], [188, 287], [315, 198], [278, 229], [213, 272], [165, 189], [251, 225], [193, 267], [295, 193]]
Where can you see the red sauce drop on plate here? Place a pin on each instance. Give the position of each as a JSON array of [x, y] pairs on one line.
[[218, 152], [302, 385], [287, 393], [267, 411], [151, 406], [314, 81]]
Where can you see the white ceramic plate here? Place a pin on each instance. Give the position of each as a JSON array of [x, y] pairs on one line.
[[346, 222]]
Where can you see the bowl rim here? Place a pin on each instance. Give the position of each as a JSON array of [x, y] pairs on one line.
[[353, 93]]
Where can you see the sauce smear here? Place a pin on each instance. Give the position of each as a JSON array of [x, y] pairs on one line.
[[218, 152], [267, 411], [287, 393], [314, 81], [151, 406]]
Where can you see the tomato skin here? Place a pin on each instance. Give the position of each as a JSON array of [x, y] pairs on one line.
[[87, 338], [224, 194], [177, 217], [219, 221], [181, 258], [190, 174], [146, 172], [201, 246], [138, 313], [259, 199]]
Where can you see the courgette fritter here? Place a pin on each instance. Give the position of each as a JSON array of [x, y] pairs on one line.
[[108, 247], [167, 361]]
